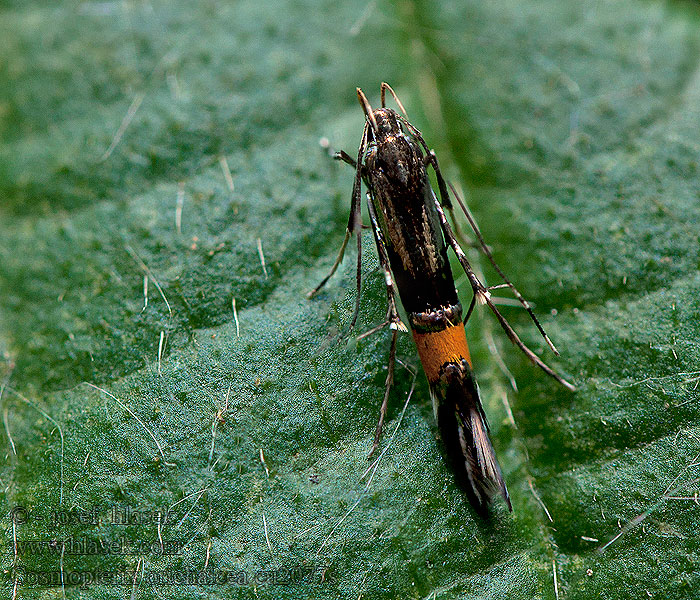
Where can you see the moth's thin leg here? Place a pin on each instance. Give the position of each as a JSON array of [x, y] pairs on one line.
[[460, 234], [393, 318], [473, 302], [444, 196], [432, 159], [482, 294], [387, 389], [370, 123], [487, 252], [346, 158], [337, 262], [354, 222], [373, 330], [358, 277]]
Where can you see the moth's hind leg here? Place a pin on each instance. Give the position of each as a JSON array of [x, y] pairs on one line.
[[487, 251], [482, 294], [393, 320]]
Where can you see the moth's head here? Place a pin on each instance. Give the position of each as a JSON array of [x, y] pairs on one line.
[[383, 122], [387, 123]]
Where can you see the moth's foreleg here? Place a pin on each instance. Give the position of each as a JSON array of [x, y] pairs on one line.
[[355, 220], [430, 158], [354, 225], [393, 315], [346, 158]]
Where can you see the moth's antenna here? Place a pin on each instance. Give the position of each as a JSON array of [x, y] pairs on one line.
[[364, 103], [385, 87]]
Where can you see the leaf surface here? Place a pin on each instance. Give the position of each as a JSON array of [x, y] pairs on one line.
[[178, 143]]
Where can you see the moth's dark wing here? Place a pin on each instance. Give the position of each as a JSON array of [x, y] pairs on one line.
[[465, 432], [410, 225]]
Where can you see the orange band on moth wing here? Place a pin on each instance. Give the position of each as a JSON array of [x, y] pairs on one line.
[[439, 347]]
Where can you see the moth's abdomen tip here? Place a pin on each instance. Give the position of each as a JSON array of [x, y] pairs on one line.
[[465, 432]]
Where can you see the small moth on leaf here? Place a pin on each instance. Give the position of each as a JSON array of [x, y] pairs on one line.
[[412, 235]]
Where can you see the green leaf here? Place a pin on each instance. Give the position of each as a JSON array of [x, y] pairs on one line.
[[178, 143]]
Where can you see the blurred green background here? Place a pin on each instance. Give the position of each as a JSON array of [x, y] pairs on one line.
[[168, 141]]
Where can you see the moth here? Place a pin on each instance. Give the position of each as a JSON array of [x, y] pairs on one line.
[[413, 235]]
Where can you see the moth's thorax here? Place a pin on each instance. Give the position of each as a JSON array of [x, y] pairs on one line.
[[395, 172], [393, 158]]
